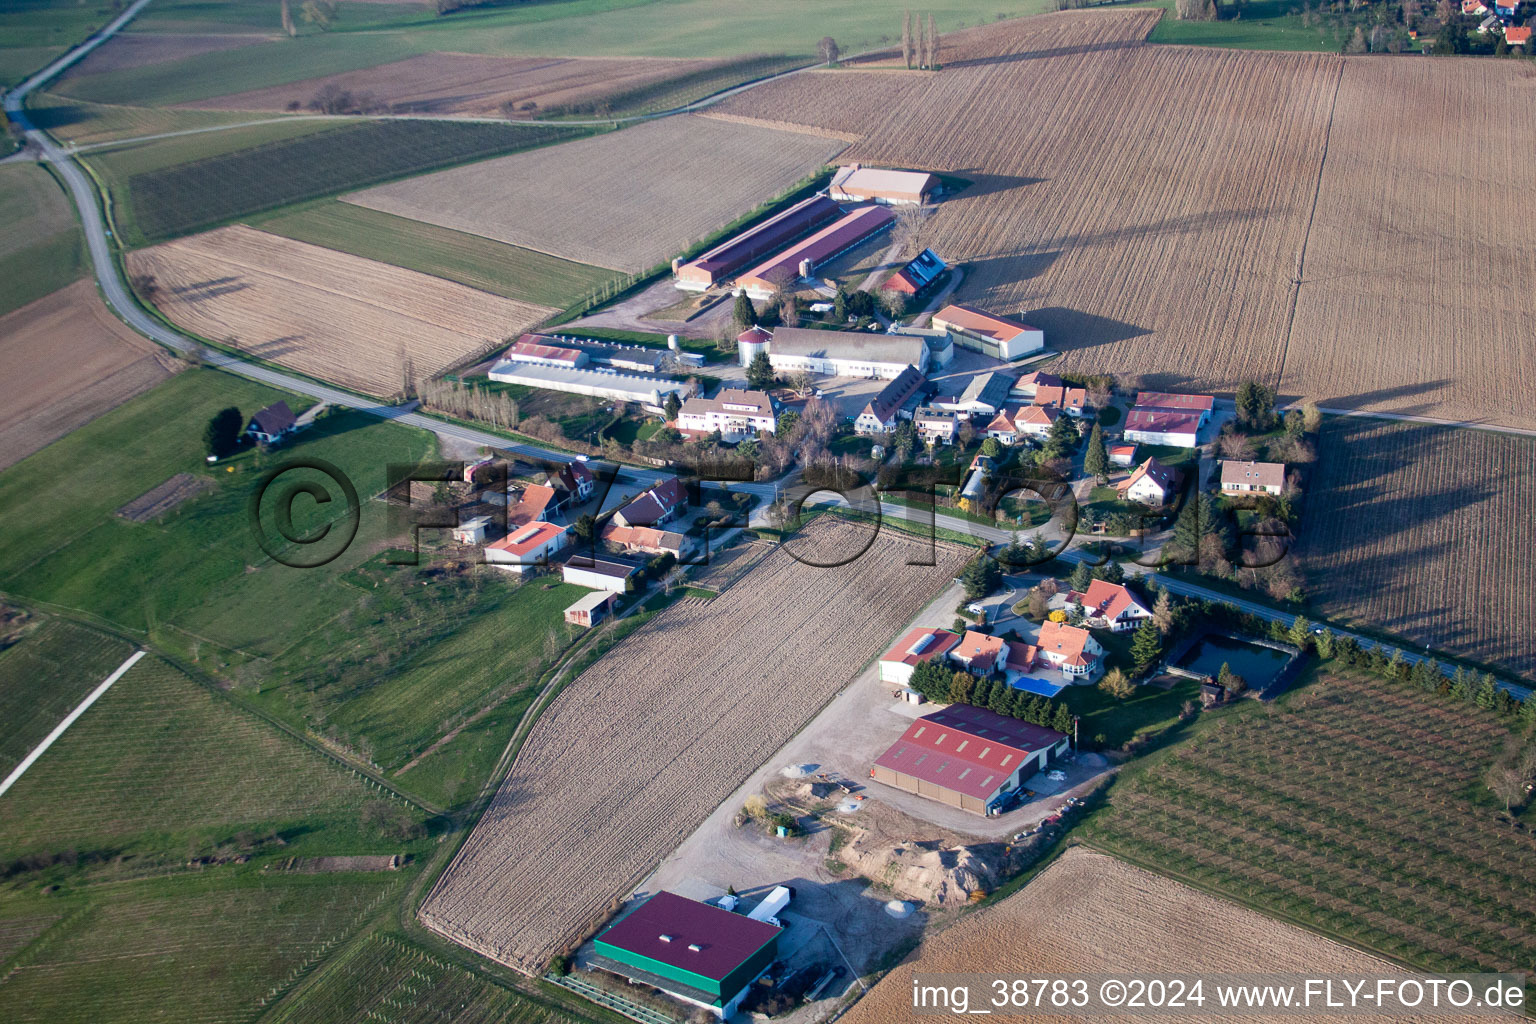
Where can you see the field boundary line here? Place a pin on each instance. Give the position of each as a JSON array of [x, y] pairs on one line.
[[69, 720], [1301, 257]]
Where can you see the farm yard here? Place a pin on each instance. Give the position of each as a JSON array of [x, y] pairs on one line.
[[174, 186], [638, 750], [64, 360], [1355, 806], [337, 317], [1404, 254], [1425, 532], [627, 200], [1092, 914]]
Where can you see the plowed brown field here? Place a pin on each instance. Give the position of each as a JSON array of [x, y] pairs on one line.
[[1092, 914], [333, 316], [64, 360], [1418, 293], [1426, 531], [465, 83], [644, 744]]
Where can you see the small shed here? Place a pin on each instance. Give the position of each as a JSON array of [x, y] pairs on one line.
[[592, 609], [472, 531], [1212, 693]]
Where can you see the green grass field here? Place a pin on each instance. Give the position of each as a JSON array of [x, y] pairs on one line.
[[87, 124], [34, 32], [383, 978], [1264, 25], [172, 187], [482, 263], [41, 248], [1353, 806], [44, 675]]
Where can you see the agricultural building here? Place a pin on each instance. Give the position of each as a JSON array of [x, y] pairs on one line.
[[1070, 649], [1152, 483], [1176, 427], [471, 531], [856, 184], [917, 646], [649, 392], [896, 400], [526, 547], [967, 757], [736, 414], [646, 540], [845, 353], [599, 573], [1252, 477], [922, 271], [657, 504], [985, 395], [719, 264], [538, 350], [990, 335], [1122, 454], [802, 258], [696, 952], [272, 424], [750, 342], [1110, 606], [936, 426], [591, 609]]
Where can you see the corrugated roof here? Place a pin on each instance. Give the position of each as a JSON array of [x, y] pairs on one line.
[[1163, 421], [1169, 400], [912, 649], [966, 749], [894, 349], [527, 538], [738, 250], [698, 937], [824, 244], [976, 321]]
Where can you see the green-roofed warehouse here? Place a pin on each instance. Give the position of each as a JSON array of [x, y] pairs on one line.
[[699, 953]]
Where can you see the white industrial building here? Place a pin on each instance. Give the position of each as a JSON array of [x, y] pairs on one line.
[[991, 335], [845, 353], [607, 384]]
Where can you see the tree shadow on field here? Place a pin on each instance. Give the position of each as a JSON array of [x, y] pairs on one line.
[[1187, 224], [1370, 399], [1054, 51], [1395, 534], [213, 288], [1011, 266], [276, 347], [51, 118]]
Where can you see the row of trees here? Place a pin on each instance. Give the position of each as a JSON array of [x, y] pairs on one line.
[[467, 401], [923, 49], [946, 686]]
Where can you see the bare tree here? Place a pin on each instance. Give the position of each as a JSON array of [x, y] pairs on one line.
[[1506, 783], [1235, 445], [802, 383], [933, 43], [912, 229], [288, 25], [906, 40], [828, 49]]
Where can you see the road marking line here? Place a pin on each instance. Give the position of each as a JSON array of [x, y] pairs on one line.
[[69, 720]]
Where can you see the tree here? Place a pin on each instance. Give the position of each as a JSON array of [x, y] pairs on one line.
[[585, 528], [222, 435], [319, 13], [288, 26], [828, 49], [1146, 646], [1117, 684], [1255, 405], [1311, 417], [1230, 681], [1301, 633], [981, 576], [744, 315], [1095, 457], [906, 40], [992, 448], [1039, 604], [840, 305], [760, 372], [1235, 445], [1061, 721], [673, 406], [933, 43], [802, 383], [1082, 576], [1162, 612], [1324, 643]]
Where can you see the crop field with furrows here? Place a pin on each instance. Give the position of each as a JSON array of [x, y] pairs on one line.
[[157, 755], [1355, 807], [627, 200], [333, 316], [86, 124], [1162, 242], [1426, 532], [384, 980], [198, 950], [181, 197], [64, 360], [466, 83], [1092, 914], [44, 675], [1417, 292], [654, 735]]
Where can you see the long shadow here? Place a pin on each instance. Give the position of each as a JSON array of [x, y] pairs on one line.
[[200, 291], [1075, 329], [984, 183], [1055, 51], [1368, 399]]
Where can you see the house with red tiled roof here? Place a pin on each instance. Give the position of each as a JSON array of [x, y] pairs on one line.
[[1016, 421], [1122, 454], [979, 653], [646, 540], [573, 484], [967, 757], [1070, 400], [1472, 8], [526, 547], [658, 504], [1152, 484], [914, 648], [1518, 36], [1110, 606], [1030, 384], [1070, 649], [533, 505]]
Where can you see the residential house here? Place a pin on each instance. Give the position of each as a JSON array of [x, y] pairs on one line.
[[1110, 606], [599, 573], [272, 424], [996, 336], [592, 608], [526, 547], [536, 503], [1069, 649], [985, 395], [979, 653], [1505, 8], [935, 426], [1252, 477], [736, 414], [646, 540], [659, 503], [1151, 484], [1473, 8], [917, 646], [573, 484], [1518, 36], [1070, 400], [895, 401], [1029, 385], [1035, 421]]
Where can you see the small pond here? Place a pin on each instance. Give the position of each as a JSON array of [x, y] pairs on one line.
[[1258, 665]]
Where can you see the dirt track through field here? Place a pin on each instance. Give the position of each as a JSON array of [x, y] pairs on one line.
[[653, 736], [64, 360], [334, 316]]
